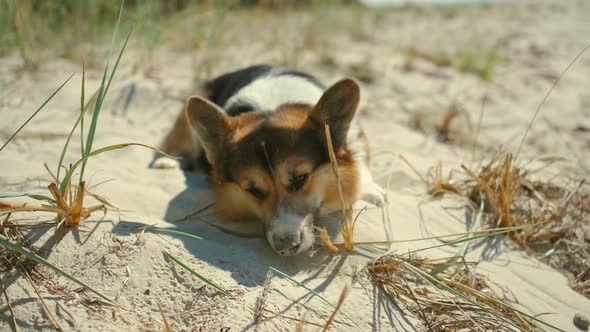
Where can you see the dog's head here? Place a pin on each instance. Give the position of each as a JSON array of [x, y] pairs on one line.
[[275, 167]]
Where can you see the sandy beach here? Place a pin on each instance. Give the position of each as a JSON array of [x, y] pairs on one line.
[[492, 65]]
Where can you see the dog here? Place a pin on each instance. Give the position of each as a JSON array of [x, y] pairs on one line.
[[259, 135]]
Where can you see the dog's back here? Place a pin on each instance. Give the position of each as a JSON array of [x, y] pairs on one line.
[[262, 88]]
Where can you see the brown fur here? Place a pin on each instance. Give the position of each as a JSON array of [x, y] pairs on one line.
[[267, 151], [179, 137], [294, 146]]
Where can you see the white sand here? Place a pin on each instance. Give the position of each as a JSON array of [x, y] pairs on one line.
[[536, 43]]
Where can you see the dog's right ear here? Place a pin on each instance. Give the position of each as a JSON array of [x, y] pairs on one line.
[[209, 123]]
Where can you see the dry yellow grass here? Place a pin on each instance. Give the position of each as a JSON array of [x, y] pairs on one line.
[[338, 305], [434, 180], [69, 207], [500, 182], [347, 225], [445, 295], [326, 241], [545, 218]]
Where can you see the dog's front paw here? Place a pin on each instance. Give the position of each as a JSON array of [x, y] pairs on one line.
[[374, 194], [165, 163]]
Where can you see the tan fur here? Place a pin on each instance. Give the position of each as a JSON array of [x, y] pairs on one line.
[[179, 137], [263, 163]]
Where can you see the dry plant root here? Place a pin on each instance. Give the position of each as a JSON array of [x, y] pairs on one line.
[[69, 207]]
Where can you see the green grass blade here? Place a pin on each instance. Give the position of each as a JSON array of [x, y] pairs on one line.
[[70, 172], [94, 120], [463, 250], [255, 261], [79, 121], [12, 194], [98, 106], [29, 254], [37, 111], [104, 89], [82, 108], [472, 238], [193, 272]]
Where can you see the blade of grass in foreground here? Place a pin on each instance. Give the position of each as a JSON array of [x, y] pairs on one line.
[[463, 250], [79, 121], [29, 254], [255, 261], [473, 238], [11, 194], [35, 113], [64, 183], [193, 272], [98, 106]]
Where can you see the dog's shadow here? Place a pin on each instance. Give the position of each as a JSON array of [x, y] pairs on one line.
[[239, 248]]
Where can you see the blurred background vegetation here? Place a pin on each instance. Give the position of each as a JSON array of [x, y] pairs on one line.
[[80, 30], [32, 25], [65, 26]]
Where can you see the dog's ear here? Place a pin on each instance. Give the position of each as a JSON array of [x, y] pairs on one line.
[[336, 108], [210, 124]]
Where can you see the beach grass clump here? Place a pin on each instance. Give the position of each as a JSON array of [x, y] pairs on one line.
[[447, 295], [498, 183], [549, 221], [434, 180], [479, 64], [66, 198], [470, 60]]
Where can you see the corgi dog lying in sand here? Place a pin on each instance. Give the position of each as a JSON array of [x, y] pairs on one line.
[[259, 134]]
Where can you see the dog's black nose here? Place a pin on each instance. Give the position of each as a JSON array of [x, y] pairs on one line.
[[287, 245]]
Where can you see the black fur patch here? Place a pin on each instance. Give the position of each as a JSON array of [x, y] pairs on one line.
[[219, 90], [239, 108]]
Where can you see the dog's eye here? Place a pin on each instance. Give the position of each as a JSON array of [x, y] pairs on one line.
[[257, 193], [298, 181]]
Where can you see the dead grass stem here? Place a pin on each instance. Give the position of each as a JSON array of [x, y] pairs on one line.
[[347, 225], [338, 305], [165, 324], [434, 180], [9, 305], [43, 304], [445, 295]]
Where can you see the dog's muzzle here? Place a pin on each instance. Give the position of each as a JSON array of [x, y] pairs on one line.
[[287, 245], [290, 233]]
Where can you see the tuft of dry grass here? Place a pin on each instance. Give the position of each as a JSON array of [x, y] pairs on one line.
[[558, 218], [446, 295], [436, 183], [10, 259], [443, 129], [69, 207], [498, 183], [550, 221]]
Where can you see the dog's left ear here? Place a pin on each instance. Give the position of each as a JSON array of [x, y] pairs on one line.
[[210, 124], [336, 108]]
